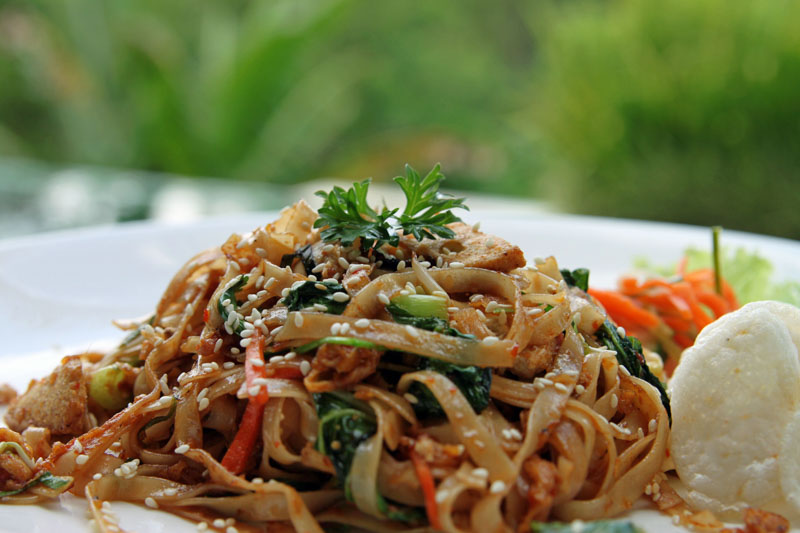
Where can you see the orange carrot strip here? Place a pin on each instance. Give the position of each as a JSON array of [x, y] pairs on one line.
[[618, 306], [428, 489], [244, 442], [699, 316], [667, 302], [252, 369], [713, 301], [629, 285], [678, 325]]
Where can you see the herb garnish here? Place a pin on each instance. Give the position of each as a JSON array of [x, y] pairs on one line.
[[345, 215]]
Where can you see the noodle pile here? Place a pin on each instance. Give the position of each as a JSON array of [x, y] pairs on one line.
[[565, 432]]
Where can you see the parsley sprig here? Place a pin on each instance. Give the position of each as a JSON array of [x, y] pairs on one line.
[[345, 215]]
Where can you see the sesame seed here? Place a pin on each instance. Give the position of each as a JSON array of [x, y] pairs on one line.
[[651, 427], [231, 529], [270, 282], [217, 345], [344, 263], [640, 433], [244, 343], [257, 362], [274, 359], [335, 328], [614, 401], [257, 480], [320, 286], [219, 523], [81, 459], [481, 473], [345, 328], [227, 365], [235, 351], [440, 294], [183, 448], [203, 405], [327, 248], [305, 368], [538, 385], [254, 390], [298, 320], [362, 259], [312, 277], [276, 330], [203, 394], [170, 491], [150, 502], [676, 519], [412, 330], [476, 227], [319, 307], [405, 292], [340, 297], [621, 331], [401, 266], [550, 375], [533, 311], [475, 297], [491, 339], [252, 297], [399, 254], [382, 298], [439, 261], [97, 476], [580, 389], [425, 264], [163, 383], [456, 264], [452, 309], [497, 487], [285, 292], [547, 382], [410, 397], [441, 496], [561, 387], [247, 333], [202, 526], [577, 526], [489, 242]]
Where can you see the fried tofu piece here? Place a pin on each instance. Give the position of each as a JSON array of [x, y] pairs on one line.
[[469, 247], [58, 402]]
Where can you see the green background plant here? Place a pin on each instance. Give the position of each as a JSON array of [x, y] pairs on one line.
[[684, 110]]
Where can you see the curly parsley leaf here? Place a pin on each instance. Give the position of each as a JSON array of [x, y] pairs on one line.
[[427, 211], [345, 215]]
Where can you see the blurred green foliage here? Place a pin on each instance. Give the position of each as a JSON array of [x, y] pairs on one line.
[[687, 110], [282, 90], [684, 110]]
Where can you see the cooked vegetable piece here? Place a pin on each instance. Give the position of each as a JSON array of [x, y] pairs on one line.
[[598, 526], [308, 293], [230, 294], [421, 305], [429, 323], [55, 483], [577, 278], [304, 254], [473, 382], [629, 355], [344, 423], [109, 388]]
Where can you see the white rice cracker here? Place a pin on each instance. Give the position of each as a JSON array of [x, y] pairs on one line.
[[733, 394]]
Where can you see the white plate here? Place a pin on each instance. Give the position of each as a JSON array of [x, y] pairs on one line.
[[60, 291]]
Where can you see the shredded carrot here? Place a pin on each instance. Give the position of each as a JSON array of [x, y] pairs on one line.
[[428, 489], [618, 305], [244, 442], [680, 306], [252, 369]]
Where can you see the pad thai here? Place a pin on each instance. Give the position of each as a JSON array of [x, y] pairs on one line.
[[382, 370]]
